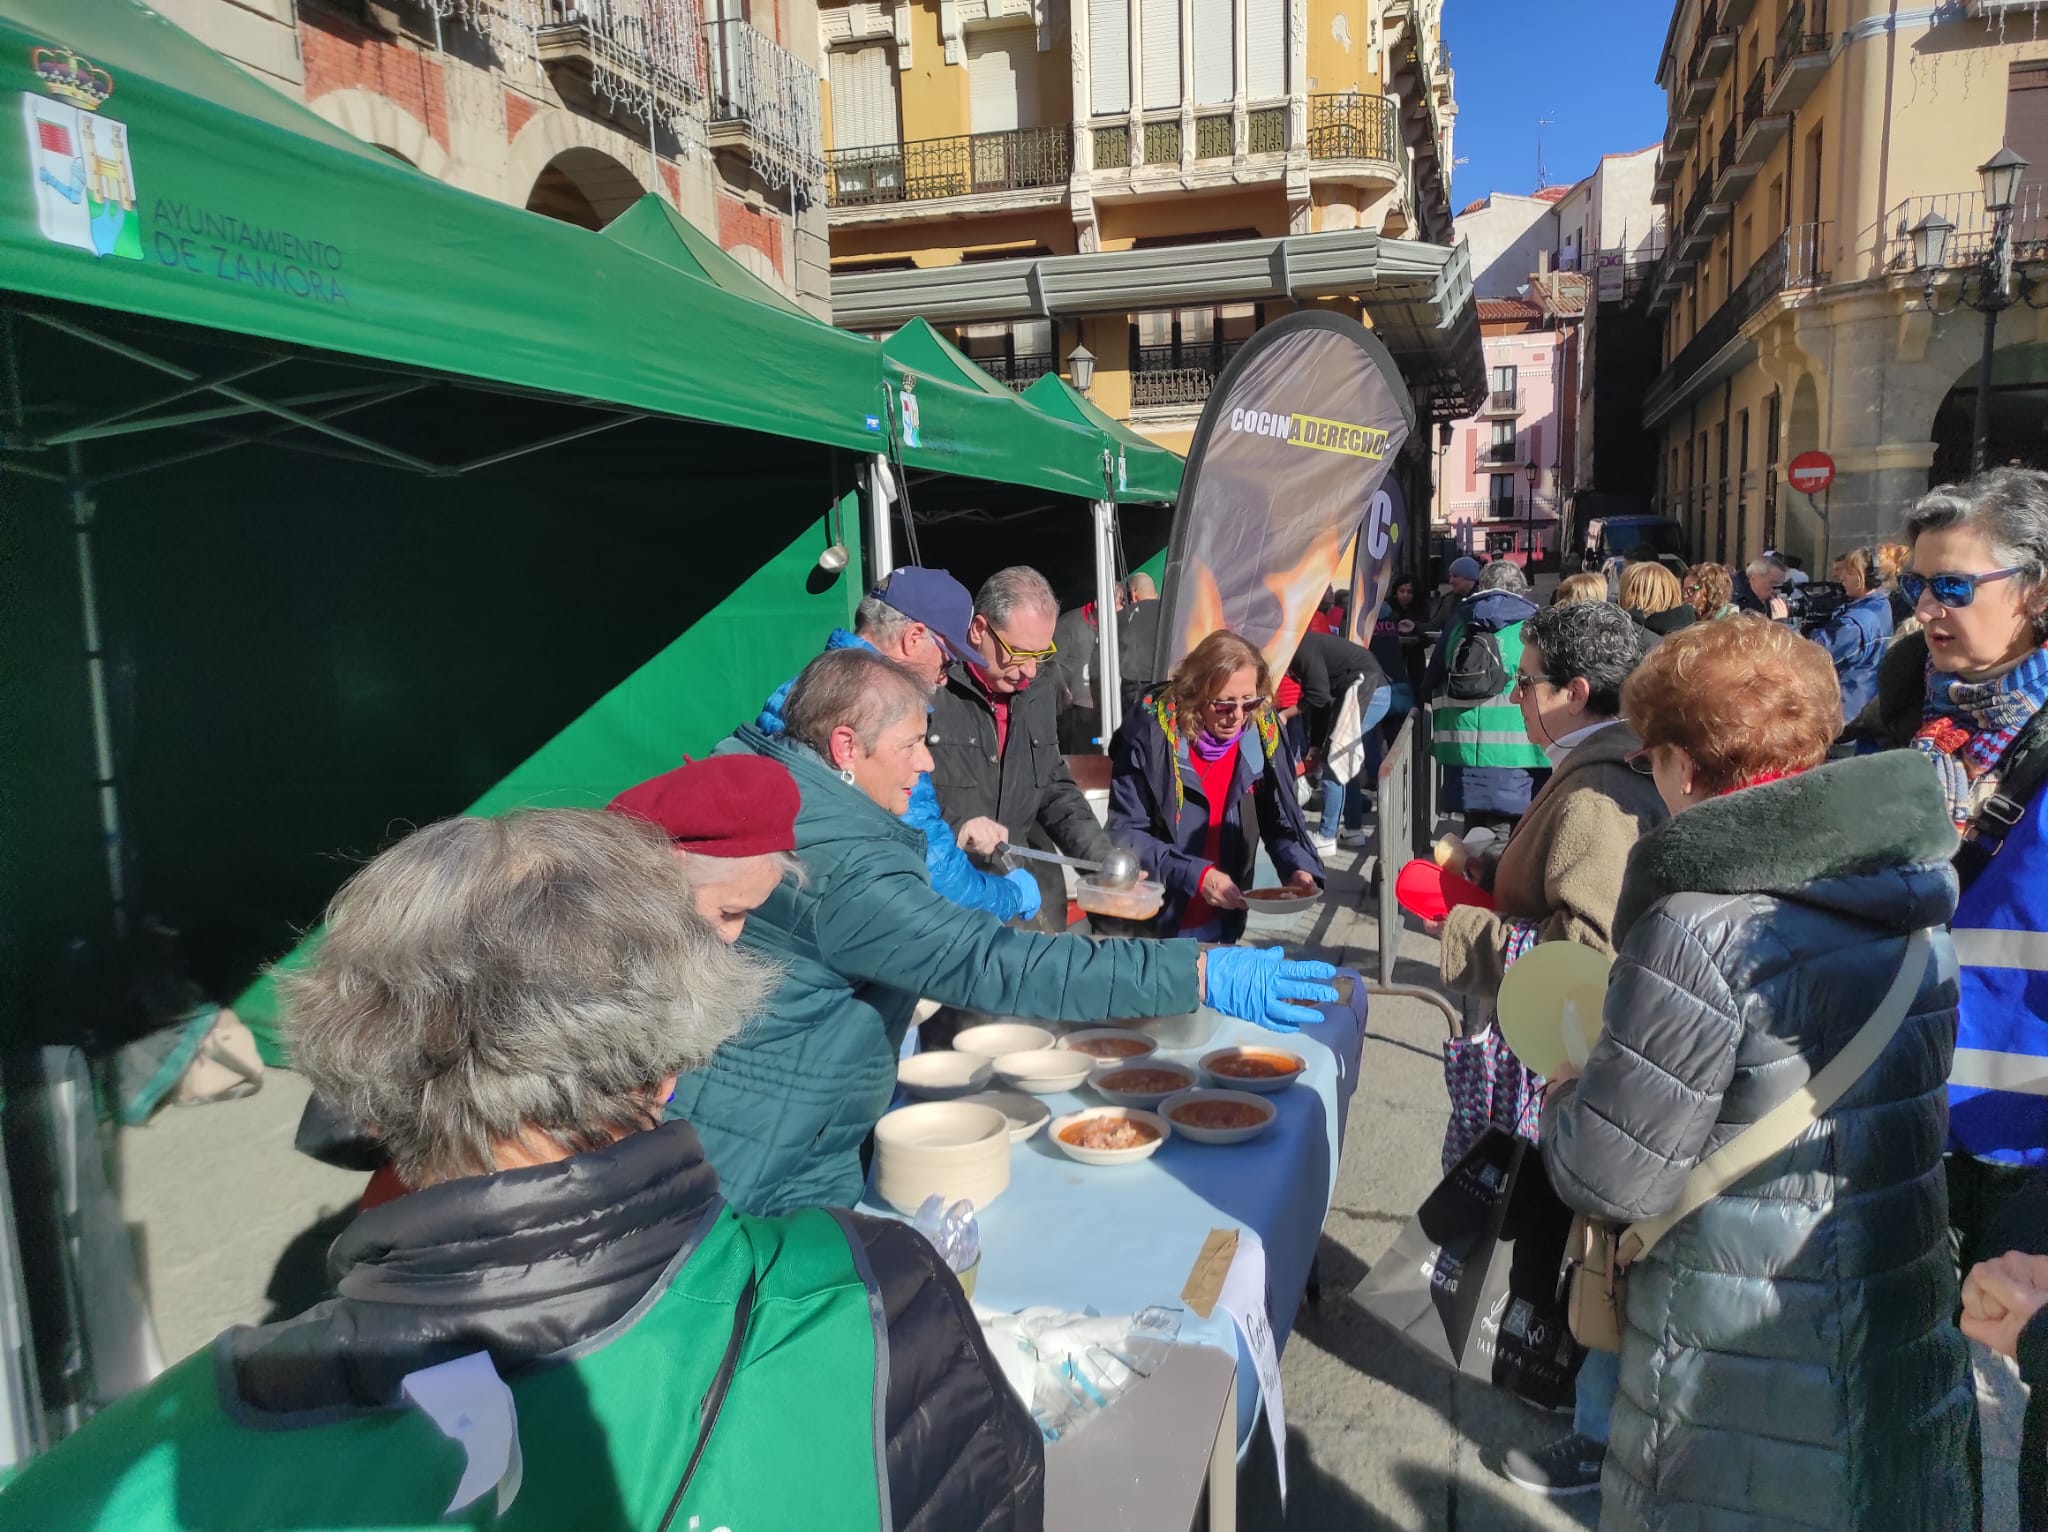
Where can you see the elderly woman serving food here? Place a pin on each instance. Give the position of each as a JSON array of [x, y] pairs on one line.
[[509, 1001], [1201, 776], [785, 1108]]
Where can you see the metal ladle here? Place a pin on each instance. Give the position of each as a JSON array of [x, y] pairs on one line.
[[1119, 869]]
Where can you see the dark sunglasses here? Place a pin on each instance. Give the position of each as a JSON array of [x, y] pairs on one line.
[[1950, 590]]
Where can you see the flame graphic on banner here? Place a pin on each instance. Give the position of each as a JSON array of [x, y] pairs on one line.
[[1297, 440]]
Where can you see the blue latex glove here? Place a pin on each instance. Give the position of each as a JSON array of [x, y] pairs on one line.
[[1257, 984], [1027, 890]]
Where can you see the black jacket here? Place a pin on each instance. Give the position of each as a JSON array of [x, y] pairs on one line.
[[1326, 665], [531, 1264], [1659, 626], [1028, 788], [1790, 1357]]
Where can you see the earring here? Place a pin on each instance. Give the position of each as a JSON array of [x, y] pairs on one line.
[[846, 775]]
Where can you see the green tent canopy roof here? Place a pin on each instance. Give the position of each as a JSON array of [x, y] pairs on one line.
[[245, 212], [1150, 471], [658, 231]]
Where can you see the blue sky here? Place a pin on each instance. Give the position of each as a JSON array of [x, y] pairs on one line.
[[1589, 69]]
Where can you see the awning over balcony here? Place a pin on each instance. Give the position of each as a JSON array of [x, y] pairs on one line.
[[1417, 296]]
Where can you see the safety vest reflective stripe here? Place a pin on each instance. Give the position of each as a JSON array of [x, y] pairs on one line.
[[1981, 1069], [1991, 947], [1460, 734]]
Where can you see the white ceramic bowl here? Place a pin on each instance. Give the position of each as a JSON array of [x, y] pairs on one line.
[[953, 1148], [1191, 1029], [1076, 1042], [1044, 1071], [1145, 1083], [1188, 1098], [997, 1038], [1160, 1127], [1026, 1114], [1263, 1084], [943, 1076]]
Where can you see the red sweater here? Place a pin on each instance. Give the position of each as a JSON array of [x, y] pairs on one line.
[[1216, 777]]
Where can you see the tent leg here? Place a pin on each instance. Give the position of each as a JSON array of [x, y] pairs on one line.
[[881, 491], [82, 513], [1108, 663]]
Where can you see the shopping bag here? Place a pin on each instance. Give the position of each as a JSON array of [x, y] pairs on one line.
[[1474, 1278], [1347, 737], [1490, 1089]]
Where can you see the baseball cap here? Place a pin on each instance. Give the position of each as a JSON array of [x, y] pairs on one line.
[[934, 598]]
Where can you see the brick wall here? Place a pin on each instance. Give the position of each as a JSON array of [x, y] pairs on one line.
[[341, 54], [519, 111], [740, 225]]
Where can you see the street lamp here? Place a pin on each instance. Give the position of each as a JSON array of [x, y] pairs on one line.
[[1530, 471], [1986, 286], [1081, 367]]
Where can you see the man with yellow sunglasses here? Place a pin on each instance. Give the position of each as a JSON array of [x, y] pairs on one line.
[[995, 732]]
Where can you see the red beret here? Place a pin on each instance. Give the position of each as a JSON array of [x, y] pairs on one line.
[[723, 805]]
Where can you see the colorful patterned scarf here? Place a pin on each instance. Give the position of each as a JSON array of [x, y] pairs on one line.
[[1970, 726], [1163, 710]]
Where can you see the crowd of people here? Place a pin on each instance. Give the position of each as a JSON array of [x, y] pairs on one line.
[[620, 1069], [1805, 821]]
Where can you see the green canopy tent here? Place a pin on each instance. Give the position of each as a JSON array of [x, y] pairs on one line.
[[658, 231], [1148, 472], [354, 489]]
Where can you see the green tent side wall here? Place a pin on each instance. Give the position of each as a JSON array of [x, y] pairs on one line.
[[680, 703]]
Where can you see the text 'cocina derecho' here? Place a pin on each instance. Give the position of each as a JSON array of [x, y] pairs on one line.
[[1313, 432]]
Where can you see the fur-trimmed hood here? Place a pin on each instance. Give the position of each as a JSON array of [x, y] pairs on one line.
[[1869, 836]]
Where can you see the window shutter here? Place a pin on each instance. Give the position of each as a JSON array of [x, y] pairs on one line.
[[1265, 47], [1215, 52], [1109, 56], [2026, 134], [1162, 53], [1472, 461], [863, 98], [1002, 80]]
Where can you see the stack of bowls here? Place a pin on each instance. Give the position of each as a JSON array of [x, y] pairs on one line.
[[955, 1149]]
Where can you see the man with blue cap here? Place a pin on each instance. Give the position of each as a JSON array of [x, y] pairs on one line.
[[920, 618]]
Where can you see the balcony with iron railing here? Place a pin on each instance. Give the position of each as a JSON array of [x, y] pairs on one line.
[[1975, 227], [765, 104], [644, 58], [1017, 371], [1502, 401], [1178, 375], [1796, 260], [1496, 454], [1762, 128], [1801, 57], [1349, 127], [967, 164]]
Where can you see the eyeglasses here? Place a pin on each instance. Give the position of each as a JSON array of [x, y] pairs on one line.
[[1523, 683], [1232, 706], [1641, 763], [1012, 655], [1950, 590]]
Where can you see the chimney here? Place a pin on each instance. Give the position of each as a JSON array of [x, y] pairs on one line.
[[1544, 261]]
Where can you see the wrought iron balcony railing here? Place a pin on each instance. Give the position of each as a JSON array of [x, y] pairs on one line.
[[1174, 375], [756, 81], [1796, 259], [1493, 454], [1017, 371], [1351, 125], [1503, 401], [963, 165], [1804, 30], [642, 57], [1975, 227]]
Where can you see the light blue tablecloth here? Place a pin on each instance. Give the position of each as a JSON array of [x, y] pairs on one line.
[[1122, 1238]]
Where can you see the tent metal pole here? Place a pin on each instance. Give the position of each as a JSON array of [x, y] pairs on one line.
[[82, 514], [107, 432], [309, 422], [881, 491], [228, 442], [1108, 663], [94, 429], [578, 434], [17, 412]]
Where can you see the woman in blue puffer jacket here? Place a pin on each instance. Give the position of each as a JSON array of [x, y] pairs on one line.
[[1857, 636]]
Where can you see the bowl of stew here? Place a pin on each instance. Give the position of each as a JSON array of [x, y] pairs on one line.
[[1264, 1070], [1218, 1116], [1110, 1135], [1145, 1083], [1110, 1047]]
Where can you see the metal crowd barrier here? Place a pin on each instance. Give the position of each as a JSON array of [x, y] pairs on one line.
[[1402, 831]]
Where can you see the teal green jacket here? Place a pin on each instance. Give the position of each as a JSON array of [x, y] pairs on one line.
[[784, 1108]]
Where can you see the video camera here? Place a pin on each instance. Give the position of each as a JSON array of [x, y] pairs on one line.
[[1814, 602]]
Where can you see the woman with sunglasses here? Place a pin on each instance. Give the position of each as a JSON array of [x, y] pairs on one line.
[[1970, 691], [1200, 776]]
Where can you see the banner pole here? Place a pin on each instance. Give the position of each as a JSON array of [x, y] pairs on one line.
[[881, 490], [1108, 662]]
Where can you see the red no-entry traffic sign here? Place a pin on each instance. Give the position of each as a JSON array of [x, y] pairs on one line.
[[1810, 472]]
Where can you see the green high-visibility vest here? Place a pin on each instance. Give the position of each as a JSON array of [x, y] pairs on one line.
[[1486, 733], [605, 1436]]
